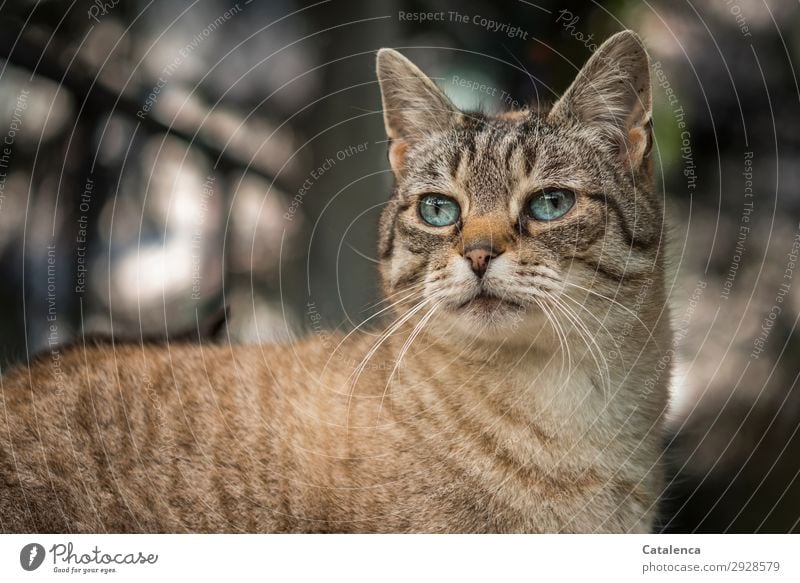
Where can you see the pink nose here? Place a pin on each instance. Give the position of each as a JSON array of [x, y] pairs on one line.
[[479, 257]]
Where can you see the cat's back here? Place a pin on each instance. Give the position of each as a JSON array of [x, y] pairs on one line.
[[104, 370], [91, 376], [126, 437]]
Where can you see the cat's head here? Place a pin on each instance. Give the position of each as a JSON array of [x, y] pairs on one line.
[[495, 218]]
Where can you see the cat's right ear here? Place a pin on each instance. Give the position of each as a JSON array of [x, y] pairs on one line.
[[612, 94], [413, 106]]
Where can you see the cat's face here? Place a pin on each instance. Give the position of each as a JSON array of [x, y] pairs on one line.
[[498, 223]]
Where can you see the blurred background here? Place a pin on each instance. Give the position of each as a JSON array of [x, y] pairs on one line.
[[161, 162]]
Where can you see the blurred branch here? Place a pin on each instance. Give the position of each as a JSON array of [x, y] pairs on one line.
[[47, 58]]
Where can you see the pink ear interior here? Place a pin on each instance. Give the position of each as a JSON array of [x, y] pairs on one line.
[[397, 155], [636, 146]]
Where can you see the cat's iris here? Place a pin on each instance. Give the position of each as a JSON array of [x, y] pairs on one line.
[[439, 210], [549, 205]]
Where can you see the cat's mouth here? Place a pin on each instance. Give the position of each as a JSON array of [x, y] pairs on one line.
[[487, 300]]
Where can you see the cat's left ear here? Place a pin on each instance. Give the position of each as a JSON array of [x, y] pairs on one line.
[[413, 106], [612, 94]]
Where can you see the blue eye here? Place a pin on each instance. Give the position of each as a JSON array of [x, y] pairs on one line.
[[438, 210], [549, 205]]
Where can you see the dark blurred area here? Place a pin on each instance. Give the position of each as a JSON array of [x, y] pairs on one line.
[[163, 161]]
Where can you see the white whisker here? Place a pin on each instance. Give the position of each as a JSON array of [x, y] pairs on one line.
[[585, 335], [375, 315], [356, 374], [411, 337]]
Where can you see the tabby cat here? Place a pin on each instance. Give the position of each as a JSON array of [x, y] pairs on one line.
[[516, 386]]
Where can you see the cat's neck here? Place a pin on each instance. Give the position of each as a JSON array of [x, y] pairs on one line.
[[525, 373]]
